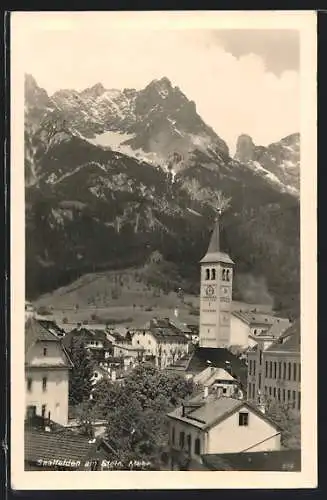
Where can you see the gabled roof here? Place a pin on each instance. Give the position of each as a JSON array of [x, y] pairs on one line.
[[281, 460], [218, 358], [35, 331], [209, 412], [42, 445]]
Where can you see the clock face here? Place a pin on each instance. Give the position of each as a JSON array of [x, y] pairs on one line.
[[210, 291]]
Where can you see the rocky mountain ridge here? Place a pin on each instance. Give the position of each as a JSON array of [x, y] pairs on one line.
[[93, 207]]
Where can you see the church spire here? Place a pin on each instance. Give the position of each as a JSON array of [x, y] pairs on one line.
[[214, 253], [214, 245]]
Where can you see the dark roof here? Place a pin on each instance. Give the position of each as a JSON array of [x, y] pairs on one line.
[[283, 460], [84, 334], [261, 319], [206, 412], [218, 358], [214, 254], [36, 331], [289, 341], [51, 326], [42, 445]]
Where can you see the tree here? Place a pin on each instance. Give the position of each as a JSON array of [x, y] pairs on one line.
[[136, 411], [80, 384], [290, 423]]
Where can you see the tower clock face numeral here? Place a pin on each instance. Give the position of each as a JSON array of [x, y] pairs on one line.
[[210, 291]]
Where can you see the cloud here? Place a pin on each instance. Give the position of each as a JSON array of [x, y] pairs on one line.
[[234, 95]]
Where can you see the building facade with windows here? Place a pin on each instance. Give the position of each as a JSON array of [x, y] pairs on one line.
[[274, 371], [47, 367], [220, 425]]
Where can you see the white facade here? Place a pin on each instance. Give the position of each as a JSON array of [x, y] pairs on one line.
[[46, 379]]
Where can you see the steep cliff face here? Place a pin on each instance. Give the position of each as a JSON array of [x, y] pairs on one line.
[[155, 186], [280, 161]]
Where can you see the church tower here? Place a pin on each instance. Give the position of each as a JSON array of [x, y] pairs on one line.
[[215, 295]]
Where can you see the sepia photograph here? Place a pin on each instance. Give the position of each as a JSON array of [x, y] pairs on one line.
[[158, 293]]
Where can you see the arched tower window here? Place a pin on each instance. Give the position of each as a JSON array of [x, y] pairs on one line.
[[207, 274], [224, 275], [227, 275], [213, 274]]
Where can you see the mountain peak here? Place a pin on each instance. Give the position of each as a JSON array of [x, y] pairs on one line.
[[96, 90], [244, 148]]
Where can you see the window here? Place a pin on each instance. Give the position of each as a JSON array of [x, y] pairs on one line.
[[250, 367], [289, 371], [260, 357], [299, 372], [279, 370], [254, 367], [189, 442], [274, 392], [45, 350], [275, 369], [30, 412], [299, 400], [44, 383], [278, 394], [207, 274], [243, 419], [283, 398], [173, 435], [259, 382], [270, 369], [213, 274], [255, 331], [138, 341], [266, 369], [294, 399], [227, 275], [197, 446], [224, 390], [29, 384], [224, 275], [181, 439], [266, 390], [270, 391], [284, 371], [253, 391], [294, 371], [44, 407], [288, 396]]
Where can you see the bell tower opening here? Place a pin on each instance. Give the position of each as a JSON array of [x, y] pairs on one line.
[[215, 294]]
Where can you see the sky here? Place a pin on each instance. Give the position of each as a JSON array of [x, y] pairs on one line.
[[243, 81]]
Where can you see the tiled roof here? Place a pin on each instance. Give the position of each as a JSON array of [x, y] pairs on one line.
[[51, 326], [42, 445], [218, 359], [289, 341], [210, 411], [283, 460], [259, 319], [204, 413], [211, 374]]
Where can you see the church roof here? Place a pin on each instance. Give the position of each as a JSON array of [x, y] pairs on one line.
[[214, 254]]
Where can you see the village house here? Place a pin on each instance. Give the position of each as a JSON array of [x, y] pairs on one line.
[[162, 342], [248, 327], [94, 341], [218, 379], [47, 366], [274, 370], [208, 424]]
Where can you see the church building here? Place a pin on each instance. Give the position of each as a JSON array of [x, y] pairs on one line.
[[216, 295]]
